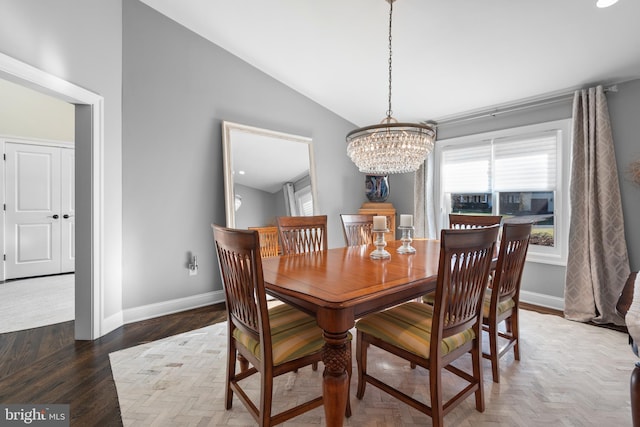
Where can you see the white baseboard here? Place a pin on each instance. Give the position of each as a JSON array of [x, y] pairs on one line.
[[111, 323], [542, 300], [150, 311]]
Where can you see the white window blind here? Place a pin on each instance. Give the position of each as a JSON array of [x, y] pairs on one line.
[[305, 203], [467, 169], [526, 163]]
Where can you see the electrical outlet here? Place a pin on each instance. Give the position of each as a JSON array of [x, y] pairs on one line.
[[193, 266]]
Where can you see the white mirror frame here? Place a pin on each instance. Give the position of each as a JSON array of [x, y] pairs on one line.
[[227, 129]]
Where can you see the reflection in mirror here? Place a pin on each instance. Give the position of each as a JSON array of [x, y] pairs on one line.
[[266, 174]]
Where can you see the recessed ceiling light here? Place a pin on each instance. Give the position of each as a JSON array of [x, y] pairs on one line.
[[241, 172], [605, 3]]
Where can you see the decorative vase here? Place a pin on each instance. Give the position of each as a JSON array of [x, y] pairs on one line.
[[377, 187]]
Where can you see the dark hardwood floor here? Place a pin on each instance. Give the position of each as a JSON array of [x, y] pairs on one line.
[[46, 365]]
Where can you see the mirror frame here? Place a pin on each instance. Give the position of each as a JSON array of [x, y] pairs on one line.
[[227, 129]]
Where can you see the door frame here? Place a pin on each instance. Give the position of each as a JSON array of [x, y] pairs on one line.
[[89, 297]]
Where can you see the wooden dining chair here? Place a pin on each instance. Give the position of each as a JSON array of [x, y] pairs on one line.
[[301, 234], [357, 229], [269, 245], [435, 336], [473, 221], [461, 221], [502, 299], [274, 341]]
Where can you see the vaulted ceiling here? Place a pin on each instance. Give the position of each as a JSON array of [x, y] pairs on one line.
[[449, 57]]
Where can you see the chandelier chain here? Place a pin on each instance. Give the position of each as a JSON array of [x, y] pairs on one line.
[[390, 146], [389, 111]]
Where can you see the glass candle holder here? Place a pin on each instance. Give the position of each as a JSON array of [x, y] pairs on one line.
[[406, 239], [380, 252]]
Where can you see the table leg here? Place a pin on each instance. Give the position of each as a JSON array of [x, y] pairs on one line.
[[335, 385]]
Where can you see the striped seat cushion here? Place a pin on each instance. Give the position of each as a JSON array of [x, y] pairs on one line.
[[502, 306], [408, 326], [294, 334], [429, 298], [283, 316]]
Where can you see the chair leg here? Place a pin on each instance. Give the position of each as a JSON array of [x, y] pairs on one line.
[[314, 366], [515, 333], [361, 358], [244, 363], [476, 360], [437, 405], [494, 357], [231, 373], [635, 395], [266, 399], [350, 374]]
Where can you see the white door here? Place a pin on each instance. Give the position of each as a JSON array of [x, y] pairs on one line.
[[34, 211]]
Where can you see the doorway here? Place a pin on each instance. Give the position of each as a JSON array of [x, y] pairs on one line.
[[89, 138]]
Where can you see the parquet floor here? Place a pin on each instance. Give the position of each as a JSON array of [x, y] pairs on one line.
[[571, 374]]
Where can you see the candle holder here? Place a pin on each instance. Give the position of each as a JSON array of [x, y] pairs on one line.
[[380, 252], [406, 239]]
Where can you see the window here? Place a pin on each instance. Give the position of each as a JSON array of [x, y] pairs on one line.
[[304, 201], [518, 173]]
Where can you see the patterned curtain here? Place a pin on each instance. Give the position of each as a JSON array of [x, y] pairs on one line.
[[423, 203], [598, 264]]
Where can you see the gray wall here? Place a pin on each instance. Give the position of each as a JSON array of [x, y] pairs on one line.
[[258, 207], [177, 88], [80, 41], [624, 109]]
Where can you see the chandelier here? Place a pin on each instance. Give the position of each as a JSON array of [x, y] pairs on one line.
[[390, 147]]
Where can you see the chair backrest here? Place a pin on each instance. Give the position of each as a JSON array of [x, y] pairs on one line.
[[463, 272], [240, 265], [473, 221], [512, 255], [357, 229], [302, 234], [269, 245]]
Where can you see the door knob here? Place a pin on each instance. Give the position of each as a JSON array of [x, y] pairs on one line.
[[56, 216], [65, 216]]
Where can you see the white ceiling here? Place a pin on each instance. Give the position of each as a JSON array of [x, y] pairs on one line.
[[449, 57]]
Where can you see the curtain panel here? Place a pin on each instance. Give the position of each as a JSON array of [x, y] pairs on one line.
[[424, 207], [597, 264]]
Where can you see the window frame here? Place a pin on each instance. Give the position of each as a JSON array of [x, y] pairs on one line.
[[556, 255]]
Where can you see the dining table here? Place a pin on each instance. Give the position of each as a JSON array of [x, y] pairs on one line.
[[339, 286]]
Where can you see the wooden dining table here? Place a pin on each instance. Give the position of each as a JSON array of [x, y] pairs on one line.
[[340, 285]]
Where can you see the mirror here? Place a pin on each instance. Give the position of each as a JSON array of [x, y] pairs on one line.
[[266, 174]]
